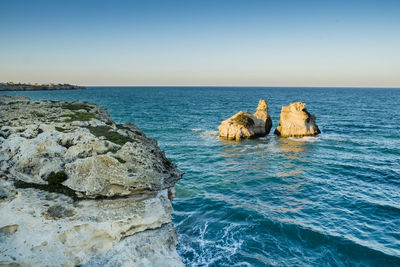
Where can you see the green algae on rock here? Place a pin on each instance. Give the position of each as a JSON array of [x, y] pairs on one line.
[[110, 134], [243, 120], [79, 116]]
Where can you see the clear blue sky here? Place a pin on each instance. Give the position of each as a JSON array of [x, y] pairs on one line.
[[188, 42]]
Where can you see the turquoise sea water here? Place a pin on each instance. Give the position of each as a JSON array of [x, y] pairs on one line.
[[330, 200]]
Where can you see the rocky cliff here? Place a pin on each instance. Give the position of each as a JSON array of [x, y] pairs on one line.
[[77, 189], [244, 125], [296, 121]]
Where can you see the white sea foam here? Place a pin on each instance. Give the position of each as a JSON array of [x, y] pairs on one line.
[[209, 133], [331, 136], [204, 132], [212, 251], [308, 139]]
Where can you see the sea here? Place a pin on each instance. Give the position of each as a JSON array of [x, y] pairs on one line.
[[329, 200]]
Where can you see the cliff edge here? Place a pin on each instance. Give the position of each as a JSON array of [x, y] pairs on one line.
[[77, 189]]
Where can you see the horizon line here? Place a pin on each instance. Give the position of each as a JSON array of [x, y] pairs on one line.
[[255, 86], [214, 85]]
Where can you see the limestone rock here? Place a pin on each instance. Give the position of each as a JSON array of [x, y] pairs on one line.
[[76, 189], [134, 247], [7, 99], [296, 121], [244, 125]]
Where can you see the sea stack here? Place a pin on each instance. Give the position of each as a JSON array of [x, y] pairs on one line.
[[244, 125], [296, 121], [76, 189]]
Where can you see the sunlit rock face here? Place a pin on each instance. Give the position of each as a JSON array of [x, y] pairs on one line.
[[296, 121], [244, 125], [77, 189]]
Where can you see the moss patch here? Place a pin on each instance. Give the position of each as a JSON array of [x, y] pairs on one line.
[[122, 127], [244, 120], [37, 114], [110, 134], [119, 159], [60, 129], [80, 116], [76, 106], [54, 185]]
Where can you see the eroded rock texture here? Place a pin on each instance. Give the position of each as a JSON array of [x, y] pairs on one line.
[[244, 125], [77, 189], [296, 121]]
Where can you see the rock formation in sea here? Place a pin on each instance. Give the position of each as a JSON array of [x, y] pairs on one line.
[[78, 189], [296, 121], [244, 125]]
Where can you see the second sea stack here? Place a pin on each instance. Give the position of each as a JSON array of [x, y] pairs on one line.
[[244, 125], [296, 121]]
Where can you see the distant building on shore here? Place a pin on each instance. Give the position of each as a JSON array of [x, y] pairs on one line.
[[11, 86]]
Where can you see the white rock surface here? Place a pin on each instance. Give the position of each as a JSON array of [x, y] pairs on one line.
[[137, 248], [76, 189], [296, 121]]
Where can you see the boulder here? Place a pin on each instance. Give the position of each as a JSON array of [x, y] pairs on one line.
[[296, 121], [244, 125]]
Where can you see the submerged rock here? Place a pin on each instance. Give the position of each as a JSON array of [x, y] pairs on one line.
[[296, 121], [77, 189], [244, 125]]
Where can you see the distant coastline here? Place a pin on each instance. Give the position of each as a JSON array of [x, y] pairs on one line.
[[10, 86]]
